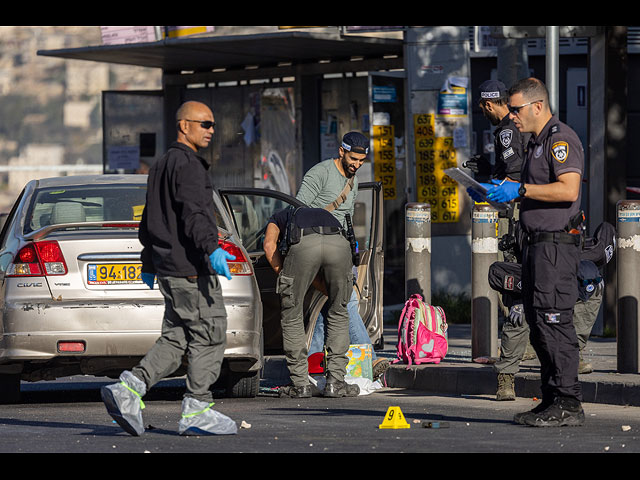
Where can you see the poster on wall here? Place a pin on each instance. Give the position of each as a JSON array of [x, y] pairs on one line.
[[452, 99]]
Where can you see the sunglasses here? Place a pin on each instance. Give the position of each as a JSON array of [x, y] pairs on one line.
[[204, 124], [515, 110], [590, 281]]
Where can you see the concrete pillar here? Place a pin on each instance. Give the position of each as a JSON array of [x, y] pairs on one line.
[[484, 300], [418, 250], [628, 280]]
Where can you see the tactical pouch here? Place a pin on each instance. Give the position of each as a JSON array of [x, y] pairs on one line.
[[292, 234]]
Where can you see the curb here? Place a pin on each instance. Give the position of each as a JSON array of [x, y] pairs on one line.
[[472, 379]]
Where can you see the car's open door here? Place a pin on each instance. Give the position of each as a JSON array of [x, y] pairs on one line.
[[368, 225], [251, 208]]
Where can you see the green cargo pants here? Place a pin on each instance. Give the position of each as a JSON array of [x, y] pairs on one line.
[[330, 254], [195, 324]]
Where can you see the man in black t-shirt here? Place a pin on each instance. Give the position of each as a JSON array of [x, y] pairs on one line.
[[299, 243]]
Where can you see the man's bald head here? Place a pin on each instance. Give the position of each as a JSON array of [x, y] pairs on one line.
[[195, 124]]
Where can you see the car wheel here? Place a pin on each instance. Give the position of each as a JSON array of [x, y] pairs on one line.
[[9, 387], [246, 384], [243, 385]]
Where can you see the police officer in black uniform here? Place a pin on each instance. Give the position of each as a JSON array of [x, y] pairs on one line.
[[508, 141], [299, 244], [509, 148], [550, 201]]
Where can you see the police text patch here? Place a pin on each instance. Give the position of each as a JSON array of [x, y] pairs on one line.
[[508, 153], [560, 151]]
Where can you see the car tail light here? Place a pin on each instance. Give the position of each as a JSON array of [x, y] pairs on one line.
[[38, 258], [239, 266]]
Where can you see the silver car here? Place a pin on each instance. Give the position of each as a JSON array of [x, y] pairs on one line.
[[71, 300]]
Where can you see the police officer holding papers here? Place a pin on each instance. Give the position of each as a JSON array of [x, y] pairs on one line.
[[550, 202], [509, 151], [508, 142]]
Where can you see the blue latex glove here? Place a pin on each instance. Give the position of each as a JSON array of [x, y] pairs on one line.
[[504, 192], [148, 279], [475, 196], [218, 261]]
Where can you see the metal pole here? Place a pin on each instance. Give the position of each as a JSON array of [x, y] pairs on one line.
[[552, 63], [628, 280], [484, 300], [417, 254]]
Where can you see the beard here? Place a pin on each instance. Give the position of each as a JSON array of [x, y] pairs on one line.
[[349, 170]]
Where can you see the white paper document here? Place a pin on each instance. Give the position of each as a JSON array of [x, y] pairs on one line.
[[469, 182]]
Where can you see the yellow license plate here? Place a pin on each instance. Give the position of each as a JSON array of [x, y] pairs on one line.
[[113, 273]]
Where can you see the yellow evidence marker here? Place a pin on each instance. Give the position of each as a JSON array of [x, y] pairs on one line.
[[394, 419]]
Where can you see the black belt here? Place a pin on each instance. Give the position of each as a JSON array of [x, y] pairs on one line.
[[321, 230], [554, 237]]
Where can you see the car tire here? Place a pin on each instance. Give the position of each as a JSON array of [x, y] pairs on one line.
[[243, 385], [9, 388]]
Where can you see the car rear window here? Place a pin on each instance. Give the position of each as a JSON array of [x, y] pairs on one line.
[[95, 203]]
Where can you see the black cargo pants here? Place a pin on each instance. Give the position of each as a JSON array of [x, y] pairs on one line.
[[550, 291]]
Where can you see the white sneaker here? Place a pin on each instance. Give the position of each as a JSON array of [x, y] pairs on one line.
[[198, 418]]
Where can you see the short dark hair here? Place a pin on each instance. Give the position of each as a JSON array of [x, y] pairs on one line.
[[531, 89]]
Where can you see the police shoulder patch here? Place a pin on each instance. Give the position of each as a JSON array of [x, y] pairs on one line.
[[509, 281], [560, 151], [506, 136]]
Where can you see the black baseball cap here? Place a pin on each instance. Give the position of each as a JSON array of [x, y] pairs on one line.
[[601, 247], [492, 90], [355, 142]]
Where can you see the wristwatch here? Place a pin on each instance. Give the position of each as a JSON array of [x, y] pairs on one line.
[[522, 190]]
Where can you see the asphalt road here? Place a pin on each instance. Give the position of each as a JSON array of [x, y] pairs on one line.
[[68, 417]]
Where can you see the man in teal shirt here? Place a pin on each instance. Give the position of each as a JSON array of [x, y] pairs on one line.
[[325, 181], [323, 186]]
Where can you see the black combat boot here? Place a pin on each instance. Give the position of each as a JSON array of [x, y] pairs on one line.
[[564, 411]]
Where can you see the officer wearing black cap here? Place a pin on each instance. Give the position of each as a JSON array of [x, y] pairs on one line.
[[550, 202], [509, 151], [509, 148], [299, 243], [509, 142]]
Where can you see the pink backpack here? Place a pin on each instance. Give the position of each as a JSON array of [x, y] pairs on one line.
[[422, 333]]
